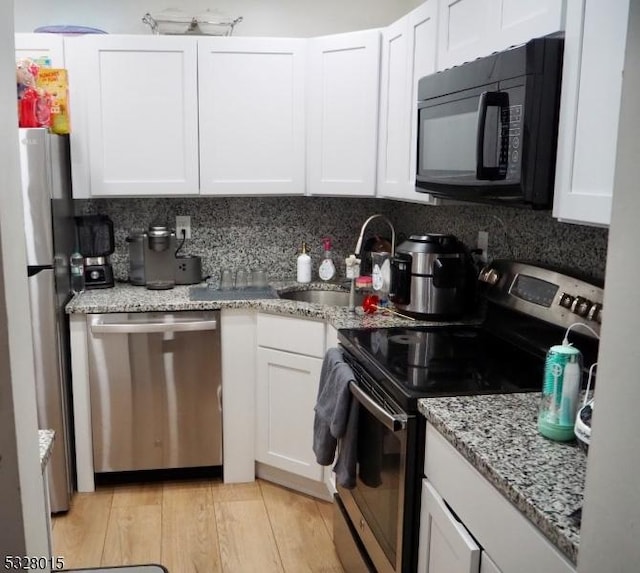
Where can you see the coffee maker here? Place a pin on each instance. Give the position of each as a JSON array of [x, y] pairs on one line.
[[95, 243], [159, 247]]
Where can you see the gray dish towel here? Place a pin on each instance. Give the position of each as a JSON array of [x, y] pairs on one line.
[[336, 418]]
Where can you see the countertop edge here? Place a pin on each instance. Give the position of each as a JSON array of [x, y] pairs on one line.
[[45, 440], [128, 298], [556, 535]]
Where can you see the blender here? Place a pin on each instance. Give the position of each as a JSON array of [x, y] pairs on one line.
[[95, 243]]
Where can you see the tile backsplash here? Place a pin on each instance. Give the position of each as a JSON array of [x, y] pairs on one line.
[[267, 232]]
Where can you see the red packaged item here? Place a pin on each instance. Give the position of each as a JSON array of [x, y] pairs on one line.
[[27, 109], [34, 109]]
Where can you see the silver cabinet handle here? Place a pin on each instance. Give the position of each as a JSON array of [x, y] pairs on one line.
[[394, 423], [141, 327]]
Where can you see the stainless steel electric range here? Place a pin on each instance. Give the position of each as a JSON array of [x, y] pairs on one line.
[[528, 310]]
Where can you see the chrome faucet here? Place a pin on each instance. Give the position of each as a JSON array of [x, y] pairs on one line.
[[352, 293]]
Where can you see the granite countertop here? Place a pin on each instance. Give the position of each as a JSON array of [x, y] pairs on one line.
[[125, 297], [45, 437], [498, 435]]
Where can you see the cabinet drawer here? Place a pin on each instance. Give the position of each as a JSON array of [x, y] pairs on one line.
[[513, 542], [291, 334]]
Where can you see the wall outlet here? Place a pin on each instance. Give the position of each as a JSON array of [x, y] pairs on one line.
[[183, 222], [482, 242]]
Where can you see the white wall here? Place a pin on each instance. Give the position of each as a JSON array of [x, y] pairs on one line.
[[296, 18], [23, 530], [611, 512]]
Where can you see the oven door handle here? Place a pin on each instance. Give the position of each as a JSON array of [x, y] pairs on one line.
[[395, 423]]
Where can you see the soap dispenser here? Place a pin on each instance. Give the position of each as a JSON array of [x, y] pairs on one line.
[[327, 269], [303, 266]]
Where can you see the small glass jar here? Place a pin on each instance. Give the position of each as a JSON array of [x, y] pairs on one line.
[[381, 274]]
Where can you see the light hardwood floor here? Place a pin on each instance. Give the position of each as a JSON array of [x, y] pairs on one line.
[[198, 527]]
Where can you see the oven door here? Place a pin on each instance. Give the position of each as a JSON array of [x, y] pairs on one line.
[[469, 143], [375, 506]]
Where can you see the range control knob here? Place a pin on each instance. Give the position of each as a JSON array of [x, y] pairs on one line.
[[581, 306], [566, 300], [490, 276], [595, 312]]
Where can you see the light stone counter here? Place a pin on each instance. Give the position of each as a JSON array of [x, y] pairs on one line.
[[46, 438], [128, 298], [498, 435]]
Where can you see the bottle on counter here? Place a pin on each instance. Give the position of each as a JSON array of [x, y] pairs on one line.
[[327, 268], [303, 274], [561, 385], [76, 264]]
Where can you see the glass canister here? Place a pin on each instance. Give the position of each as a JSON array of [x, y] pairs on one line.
[[560, 389], [381, 274], [136, 257]]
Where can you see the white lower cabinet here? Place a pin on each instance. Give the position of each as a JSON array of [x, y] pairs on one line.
[[289, 359], [287, 386], [445, 545], [487, 565], [460, 509]]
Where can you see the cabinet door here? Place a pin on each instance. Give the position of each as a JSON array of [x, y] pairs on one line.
[[513, 22], [487, 565], [141, 114], [589, 108], [287, 387], [445, 544], [252, 124], [408, 54], [41, 45], [470, 29], [462, 31], [343, 74]]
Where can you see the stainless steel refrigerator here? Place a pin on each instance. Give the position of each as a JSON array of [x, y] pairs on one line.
[[50, 238]]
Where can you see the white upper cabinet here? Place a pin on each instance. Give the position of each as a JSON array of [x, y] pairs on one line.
[[137, 115], [289, 360], [463, 27], [252, 116], [41, 45], [589, 110], [512, 22], [408, 54], [343, 82], [470, 29]]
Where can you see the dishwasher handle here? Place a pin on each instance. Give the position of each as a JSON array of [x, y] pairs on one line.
[[150, 327]]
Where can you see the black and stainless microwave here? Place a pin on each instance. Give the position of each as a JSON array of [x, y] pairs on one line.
[[487, 129]]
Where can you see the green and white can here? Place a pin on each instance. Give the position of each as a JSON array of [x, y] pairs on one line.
[[560, 390]]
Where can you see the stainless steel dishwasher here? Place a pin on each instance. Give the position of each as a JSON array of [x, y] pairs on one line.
[[156, 393]]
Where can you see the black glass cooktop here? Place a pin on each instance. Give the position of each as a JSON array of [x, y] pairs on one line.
[[419, 362]]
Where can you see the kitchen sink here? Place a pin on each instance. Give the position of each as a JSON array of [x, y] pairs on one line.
[[318, 296]]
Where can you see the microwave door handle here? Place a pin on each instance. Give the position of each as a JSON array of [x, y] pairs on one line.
[[487, 100], [394, 423]]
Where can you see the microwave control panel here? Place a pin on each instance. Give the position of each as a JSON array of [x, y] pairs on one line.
[[511, 120]]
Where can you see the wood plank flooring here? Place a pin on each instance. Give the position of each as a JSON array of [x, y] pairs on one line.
[[198, 527]]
